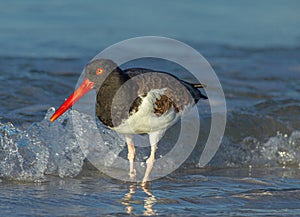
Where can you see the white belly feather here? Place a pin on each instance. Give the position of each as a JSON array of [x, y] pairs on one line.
[[145, 120]]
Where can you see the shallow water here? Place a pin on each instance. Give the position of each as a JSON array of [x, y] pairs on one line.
[[188, 193], [255, 172]]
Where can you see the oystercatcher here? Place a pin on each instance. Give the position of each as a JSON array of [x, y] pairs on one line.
[[135, 101]]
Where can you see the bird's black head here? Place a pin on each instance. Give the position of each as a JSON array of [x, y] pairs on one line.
[[97, 70]]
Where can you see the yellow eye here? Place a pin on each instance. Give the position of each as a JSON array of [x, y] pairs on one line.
[[99, 71]]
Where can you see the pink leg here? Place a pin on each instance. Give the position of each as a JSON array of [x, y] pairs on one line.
[[154, 138], [130, 156], [150, 162]]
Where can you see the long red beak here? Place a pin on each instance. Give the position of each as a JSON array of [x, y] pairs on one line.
[[85, 87]]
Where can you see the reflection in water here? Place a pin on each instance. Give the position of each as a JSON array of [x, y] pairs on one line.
[[149, 202], [128, 201]]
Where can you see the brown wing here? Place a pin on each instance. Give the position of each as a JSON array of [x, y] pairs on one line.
[[176, 93]]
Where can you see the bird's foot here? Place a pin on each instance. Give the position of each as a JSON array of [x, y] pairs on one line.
[[132, 173], [145, 184]]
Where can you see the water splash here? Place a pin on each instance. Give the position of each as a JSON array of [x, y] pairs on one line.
[[55, 148], [21, 157], [280, 150], [44, 148]]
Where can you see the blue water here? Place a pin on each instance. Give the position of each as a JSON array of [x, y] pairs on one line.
[[254, 47], [82, 29]]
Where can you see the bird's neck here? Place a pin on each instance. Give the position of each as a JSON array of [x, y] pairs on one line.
[[106, 94], [113, 82]]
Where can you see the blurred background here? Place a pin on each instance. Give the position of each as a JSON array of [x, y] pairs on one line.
[[77, 29]]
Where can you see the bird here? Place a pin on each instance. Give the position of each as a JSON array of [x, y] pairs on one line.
[[135, 101]]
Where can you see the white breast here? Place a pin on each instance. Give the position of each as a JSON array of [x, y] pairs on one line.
[[145, 120]]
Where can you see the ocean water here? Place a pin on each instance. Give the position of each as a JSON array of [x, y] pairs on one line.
[[254, 49]]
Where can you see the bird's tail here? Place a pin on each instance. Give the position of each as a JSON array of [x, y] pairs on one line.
[[197, 93], [198, 85]]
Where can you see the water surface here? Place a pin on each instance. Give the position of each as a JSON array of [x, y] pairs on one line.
[[44, 48]]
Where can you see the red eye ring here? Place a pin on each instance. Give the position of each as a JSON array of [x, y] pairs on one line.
[[99, 71]]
